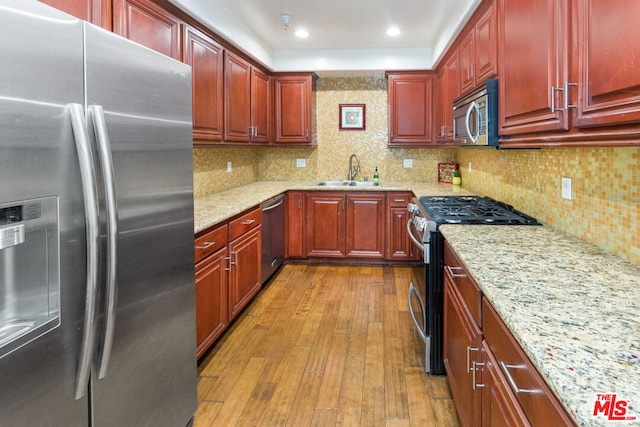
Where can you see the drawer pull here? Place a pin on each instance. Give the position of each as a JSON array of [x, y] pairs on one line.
[[207, 245], [228, 258], [454, 268], [514, 386], [473, 375], [248, 222], [399, 200]]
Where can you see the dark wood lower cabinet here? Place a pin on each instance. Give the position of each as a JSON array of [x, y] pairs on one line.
[[462, 341], [499, 406], [245, 277], [325, 224], [211, 299], [294, 225], [365, 225]]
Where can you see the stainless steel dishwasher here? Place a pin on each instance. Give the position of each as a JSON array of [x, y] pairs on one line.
[[272, 235]]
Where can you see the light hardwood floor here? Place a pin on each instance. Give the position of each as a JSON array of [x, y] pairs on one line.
[[323, 346]]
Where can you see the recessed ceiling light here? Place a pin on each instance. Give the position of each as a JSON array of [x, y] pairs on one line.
[[301, 33], [393, 31]]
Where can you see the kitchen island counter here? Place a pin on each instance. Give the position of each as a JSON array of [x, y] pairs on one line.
[[218, 207], [573, 308]]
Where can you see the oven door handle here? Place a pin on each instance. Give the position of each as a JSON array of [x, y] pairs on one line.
[[419, 244], [413, 292]]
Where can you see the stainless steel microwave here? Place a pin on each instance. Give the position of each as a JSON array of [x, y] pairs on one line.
[[475, 117]]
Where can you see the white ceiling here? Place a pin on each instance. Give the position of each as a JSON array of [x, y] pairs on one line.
[[344, 35]]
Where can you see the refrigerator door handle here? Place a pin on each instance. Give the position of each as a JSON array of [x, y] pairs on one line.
[[91, 210], [96, 115]]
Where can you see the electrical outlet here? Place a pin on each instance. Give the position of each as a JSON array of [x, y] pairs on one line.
[[301, 163], [469, 167], [408, 163], [229, 167], [566, 188]]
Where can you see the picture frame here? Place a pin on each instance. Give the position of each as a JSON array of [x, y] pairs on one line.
[[352, 116]]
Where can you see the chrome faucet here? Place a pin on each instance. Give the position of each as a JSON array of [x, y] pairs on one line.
[[353, 172]]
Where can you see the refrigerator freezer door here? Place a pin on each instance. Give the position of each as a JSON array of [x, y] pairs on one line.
[[146, 101], [42, 278]]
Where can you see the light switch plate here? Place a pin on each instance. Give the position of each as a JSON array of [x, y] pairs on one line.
[[229, 167], [566, 188], [408, 163], [301, 163]]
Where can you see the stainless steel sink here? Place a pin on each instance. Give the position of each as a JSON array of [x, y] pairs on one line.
[[348, 183], [334, 183], [363, 184]]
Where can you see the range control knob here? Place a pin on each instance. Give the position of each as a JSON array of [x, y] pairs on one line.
[[413, 208], [420, 223]]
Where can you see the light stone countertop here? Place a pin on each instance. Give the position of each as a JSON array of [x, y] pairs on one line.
[[574, 309], [218, 207]]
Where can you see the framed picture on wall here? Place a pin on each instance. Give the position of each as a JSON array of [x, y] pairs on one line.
[[352, 116]]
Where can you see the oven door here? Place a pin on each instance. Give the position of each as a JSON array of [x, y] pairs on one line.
[[417, 294]]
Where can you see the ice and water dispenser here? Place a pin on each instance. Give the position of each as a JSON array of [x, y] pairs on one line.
[[29, 271]]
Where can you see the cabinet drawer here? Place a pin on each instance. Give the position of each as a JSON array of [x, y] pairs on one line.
[[466, 286], [534, 396], [210, 242], [398, 200], [246, 222]]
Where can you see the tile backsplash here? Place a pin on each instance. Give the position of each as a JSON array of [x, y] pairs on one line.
[[604, 206], [605, 190]]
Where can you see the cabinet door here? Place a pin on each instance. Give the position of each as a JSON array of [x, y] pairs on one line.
[[365, 225], [237, 98], [260, 106], [462, 340], [467, 57], [448, 90], [608, 67], [206, 59], [150, 25], [398, 246], [486, 46], [246, 270], [211, 299], [294, 225], [533, 45], [410, 109], [500, 408], [325, 224], [293, 109], [95, 11]]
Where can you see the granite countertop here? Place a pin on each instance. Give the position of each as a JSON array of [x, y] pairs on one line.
[[574, 309], [218, 207]]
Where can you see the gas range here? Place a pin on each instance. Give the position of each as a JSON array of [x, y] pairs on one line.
[[470, 210], [426, 290]]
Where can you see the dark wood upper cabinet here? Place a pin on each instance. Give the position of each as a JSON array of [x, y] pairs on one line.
[[206, 58], [608, 66], [478, 49], [261, 107], [95, 11], [144, 22], [237, 98], [410, 108], [247, 102], [466, 61], [533, 43], [448, 89], [294, 104]]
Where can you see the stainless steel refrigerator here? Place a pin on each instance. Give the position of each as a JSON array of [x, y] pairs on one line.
[[97, 313]]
